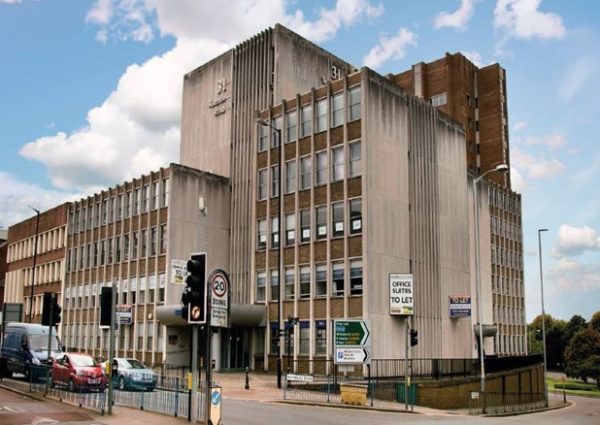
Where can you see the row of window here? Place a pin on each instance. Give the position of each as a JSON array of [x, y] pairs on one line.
[[303, 178], [508, 314], [504, 285], [47, 241], [506, 229], [509, 344], [319, 224], [88, 337], [319, 119], [120, 248], [506, 258], [504, 200], [137, 201], [299, 284]]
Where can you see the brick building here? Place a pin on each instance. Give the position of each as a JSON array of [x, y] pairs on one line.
[[3, 263]]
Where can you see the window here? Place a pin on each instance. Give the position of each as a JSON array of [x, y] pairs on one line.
[[95, 257], [274, 232], [134, 248], [274, 285], [262, 234], [145, 198], [89, 256], [111, 210], [153, 241], [104, 212], [321, 222], [304, 338], [304, 225], [274, 181], [356, 277], [439, 100], [262, 184], [260, 286], [118, 249], [292, 124], [127, 203], [355, 215], [274, 337], [163, 238], [337, 215], [290, 283], [320, 337], [119, 207], [355, 159], [354, 103], [155, 195], [276, 123], [290, 176], [165, 193], [126, 247], [110, 251], [337, 109], [136, 201], [144, 237], [321, 158], [337, 270], [305, 172], [304, 282], [290, 229], [321, 115], [320, 280], [263, 137], [306, 125], [337, 163], [97, 216], [90, 216]]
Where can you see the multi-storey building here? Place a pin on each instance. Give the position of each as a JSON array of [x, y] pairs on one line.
[[3, 263], [49, 258]]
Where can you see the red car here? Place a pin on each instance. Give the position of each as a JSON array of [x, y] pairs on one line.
[[78, 372]]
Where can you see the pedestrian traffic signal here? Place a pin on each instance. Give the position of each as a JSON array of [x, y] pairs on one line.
[[414, 337], [194, 293], [50, 309], [56, 310]]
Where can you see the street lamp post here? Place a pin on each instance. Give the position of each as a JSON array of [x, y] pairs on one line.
[[35, 243], [498, 168], [543, 314], [279, 246]]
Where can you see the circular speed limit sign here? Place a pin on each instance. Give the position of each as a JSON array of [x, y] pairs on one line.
[[219, 285]]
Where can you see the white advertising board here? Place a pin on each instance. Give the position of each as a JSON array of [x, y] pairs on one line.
[[401, 294]]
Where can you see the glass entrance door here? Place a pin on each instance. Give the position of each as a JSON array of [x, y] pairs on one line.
[[235, 348]]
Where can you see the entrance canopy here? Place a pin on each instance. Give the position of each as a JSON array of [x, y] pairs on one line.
[[248, 315]]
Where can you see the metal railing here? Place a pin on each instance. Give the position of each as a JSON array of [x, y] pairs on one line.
[[493, 403]]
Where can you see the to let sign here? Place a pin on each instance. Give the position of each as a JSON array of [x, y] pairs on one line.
[[401, 294], [460, 305]]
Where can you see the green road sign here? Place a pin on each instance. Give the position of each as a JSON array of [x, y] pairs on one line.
[[352, 333]]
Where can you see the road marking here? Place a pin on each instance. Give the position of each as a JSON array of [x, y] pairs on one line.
[[11, 409], [38, 420]]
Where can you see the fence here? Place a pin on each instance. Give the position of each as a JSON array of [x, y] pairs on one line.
[[500, 403]]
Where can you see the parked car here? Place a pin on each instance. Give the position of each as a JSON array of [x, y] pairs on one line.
[[78, 371], [25, 349], [131, 374]]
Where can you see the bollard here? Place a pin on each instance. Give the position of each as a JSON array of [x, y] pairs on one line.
[[247, 380]]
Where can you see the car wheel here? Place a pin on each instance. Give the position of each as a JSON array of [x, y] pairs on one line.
[[122, 386], [72, 387]]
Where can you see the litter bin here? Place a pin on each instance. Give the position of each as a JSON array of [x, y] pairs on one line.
[[353, 394]]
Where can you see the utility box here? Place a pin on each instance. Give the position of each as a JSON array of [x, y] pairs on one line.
[[353, 394]]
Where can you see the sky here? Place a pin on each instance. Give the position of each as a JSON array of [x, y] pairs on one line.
[[90, 96]]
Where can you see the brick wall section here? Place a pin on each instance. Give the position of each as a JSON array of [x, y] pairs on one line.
[[3, 268]]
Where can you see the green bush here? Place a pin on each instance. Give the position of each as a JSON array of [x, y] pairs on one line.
[[574, 386]]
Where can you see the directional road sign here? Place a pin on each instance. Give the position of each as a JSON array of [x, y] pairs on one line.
[[352, 333], [352, 355]]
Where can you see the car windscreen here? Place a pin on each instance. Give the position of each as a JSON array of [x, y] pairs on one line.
[[134, 364], [83, 361], [40, 343]]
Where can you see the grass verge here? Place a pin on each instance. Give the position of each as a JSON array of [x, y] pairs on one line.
[[573, 387]]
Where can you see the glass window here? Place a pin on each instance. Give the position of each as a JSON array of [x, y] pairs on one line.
[[144, 237], [305, 172], [337, 270], [127, 202], [304, 338], [277, 124], [290, 229], [439, 100], [355, 159], [306, 125], [263, 137], [274, 232], [137, 206], [134, 247], [320, 337], [145, 198], [354, 102], [274, 181], [262, 234], [260, 286], [337, 163], [262, 184], [118, 249], [153, 240], [320, 280], [155, 195], [290, 176], [274, 285], [321, 222], [290, 283], [321, 167], [321, 115], [337, 215], [104, 212], [119, 202], [292, 124], [356, 277], [355, 215], [337, 109], [165, 192], [163, 238], [304, 282], [125, 247], [97, 217], [304, 225], [274, 337]]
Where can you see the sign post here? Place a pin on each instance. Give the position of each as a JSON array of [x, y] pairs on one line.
[[352, 339]]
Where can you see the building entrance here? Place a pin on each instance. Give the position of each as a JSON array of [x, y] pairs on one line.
[[235, 348]]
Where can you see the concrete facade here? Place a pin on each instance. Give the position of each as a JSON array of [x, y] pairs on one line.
[[3, 263]]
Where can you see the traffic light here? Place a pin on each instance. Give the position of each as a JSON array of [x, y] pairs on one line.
[[50, 309], [105, 306], [414, 337], [194, 293]]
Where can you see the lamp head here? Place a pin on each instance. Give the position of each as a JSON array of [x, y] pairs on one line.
[[542, 230], [262, 122], [502, 168]]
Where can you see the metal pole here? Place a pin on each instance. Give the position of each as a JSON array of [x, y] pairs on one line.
[[279, 272], [194, 393], [35, 243], [111, 345], [543, 313], [478, 289], [406, 365], [48, 363], [208, 369], [289, 342]]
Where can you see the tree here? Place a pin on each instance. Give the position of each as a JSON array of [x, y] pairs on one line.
[[595, 322], [555, 342], [576, 324], [582, 356]]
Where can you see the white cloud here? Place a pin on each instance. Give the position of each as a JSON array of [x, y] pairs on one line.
[[390, 48], [10, 1], [571, 276], [523, 19], [459, 19], [519, 126], [134, 131], [551, 141], [474, 56], [17, 195], [579, 72], [577, 240], [534, 167], [101, 12], [517, 181]]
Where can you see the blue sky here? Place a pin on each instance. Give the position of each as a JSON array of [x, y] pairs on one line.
[[90, 96]]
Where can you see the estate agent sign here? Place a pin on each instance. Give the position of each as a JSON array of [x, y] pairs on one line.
[[401, 294]]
